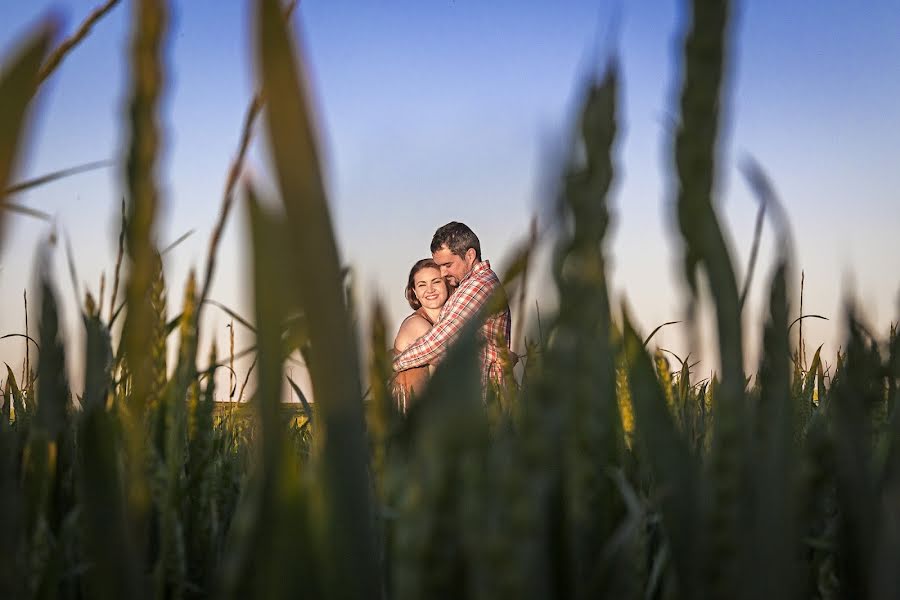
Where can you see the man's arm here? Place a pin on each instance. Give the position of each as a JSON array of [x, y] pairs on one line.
[[462, 306]]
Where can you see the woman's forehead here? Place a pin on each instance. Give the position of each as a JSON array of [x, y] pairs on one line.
[[427, 274]]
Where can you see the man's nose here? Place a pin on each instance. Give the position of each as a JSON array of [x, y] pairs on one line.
[[444, 271]]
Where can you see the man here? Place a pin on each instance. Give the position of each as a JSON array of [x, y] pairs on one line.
[[457, 251]]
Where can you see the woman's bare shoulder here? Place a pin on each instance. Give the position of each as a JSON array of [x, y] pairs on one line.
[[413, 327]]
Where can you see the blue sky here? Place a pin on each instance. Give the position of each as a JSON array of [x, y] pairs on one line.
[[448, 110]]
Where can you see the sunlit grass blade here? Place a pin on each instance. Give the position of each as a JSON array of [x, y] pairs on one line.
[[317, 271], [147, 81], [140, 330], [20, 413], [807, 401]]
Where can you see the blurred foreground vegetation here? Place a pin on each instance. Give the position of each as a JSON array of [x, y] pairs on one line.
[[610, 471]]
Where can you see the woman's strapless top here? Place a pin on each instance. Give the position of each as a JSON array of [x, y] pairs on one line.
[[410, 382]]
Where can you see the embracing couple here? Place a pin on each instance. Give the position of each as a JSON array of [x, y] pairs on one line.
[[446, 291]]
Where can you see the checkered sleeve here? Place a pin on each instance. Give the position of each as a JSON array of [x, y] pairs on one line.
[[463, 305]]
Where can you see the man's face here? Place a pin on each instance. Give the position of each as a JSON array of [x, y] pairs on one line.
[[454, 267]]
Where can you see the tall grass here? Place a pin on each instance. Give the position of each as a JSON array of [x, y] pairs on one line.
[[607, 471]]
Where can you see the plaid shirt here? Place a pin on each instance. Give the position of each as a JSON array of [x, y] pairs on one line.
[[464, 304]]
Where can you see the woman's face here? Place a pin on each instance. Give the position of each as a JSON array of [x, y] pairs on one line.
[[430, 288]]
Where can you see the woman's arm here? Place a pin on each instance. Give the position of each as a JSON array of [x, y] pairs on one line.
[[411, 329]]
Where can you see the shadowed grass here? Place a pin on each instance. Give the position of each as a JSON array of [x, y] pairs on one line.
[[602, 473], [292, 141]]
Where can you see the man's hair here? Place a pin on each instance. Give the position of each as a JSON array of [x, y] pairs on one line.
[[425, 263], [458, 238]]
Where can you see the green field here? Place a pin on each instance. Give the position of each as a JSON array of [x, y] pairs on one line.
[[608, 470]]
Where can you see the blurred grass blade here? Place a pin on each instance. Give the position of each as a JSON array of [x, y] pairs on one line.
[[140, 333], [18, 85], [858, 390], [231, 314], [26, 210], [583, 359], [695, 158], [268, 539], [56, 58], [53, 389], [55, 175], [705, 246], [773, 569], [149, 24], [317, 270], [174, 244], [383, 410], [438, 540]]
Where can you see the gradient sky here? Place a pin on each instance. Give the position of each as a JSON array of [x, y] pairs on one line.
[[449, 110]]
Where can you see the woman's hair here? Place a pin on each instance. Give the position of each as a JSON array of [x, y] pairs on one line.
[[425, 263]]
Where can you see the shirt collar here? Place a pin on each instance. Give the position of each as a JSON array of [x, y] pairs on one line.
[[482, 266]]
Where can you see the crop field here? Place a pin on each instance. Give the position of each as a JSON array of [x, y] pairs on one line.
[[609, 469]]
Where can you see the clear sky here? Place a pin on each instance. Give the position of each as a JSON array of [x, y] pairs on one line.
[[448, 110]]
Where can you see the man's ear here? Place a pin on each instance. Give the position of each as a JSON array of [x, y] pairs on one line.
[[470, 256]]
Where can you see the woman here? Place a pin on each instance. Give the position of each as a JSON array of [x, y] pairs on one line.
[[426, 292]]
